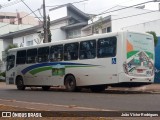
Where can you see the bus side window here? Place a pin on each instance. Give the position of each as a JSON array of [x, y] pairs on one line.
[[87, 49], [56, 53], [71, 51], [106, 47], [43, 54], [21, 57], [31, 55]]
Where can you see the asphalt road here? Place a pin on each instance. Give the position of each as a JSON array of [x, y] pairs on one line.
[[108, 100]]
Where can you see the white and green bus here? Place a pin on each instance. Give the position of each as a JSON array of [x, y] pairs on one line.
[[95, 62]]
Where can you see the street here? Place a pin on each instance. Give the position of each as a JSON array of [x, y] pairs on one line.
[[60, 100]]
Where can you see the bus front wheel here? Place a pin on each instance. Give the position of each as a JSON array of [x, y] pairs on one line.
[[19, 83], [70, 83]]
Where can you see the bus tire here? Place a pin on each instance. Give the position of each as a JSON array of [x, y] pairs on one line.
[[20, 84], [98, 88], [45, 88], [70, 83]]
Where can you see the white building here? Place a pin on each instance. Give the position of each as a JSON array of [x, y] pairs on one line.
[[68, 26], [121, 19], [146, 26], [11, 22]]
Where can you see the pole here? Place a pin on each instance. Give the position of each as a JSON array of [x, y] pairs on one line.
[[45, 23]]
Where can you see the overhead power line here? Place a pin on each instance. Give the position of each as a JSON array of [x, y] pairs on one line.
[[110, 7], [67, 3], [103, 13], [10, 4], [31, 10], [106, 11], [123, 17], [80, 19], [134, 15]]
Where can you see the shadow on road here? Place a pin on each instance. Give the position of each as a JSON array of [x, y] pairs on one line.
[[108, 91]]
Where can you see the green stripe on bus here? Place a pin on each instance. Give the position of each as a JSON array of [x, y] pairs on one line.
[[37, 70], [130, 54]]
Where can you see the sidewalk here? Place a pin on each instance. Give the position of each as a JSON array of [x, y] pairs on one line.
[[152, 88]]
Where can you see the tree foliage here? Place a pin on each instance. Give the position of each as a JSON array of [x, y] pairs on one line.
[[10, 47], [154, 36]]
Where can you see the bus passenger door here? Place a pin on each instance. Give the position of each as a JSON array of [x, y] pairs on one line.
[[10, 73]]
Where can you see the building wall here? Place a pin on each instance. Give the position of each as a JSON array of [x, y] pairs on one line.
[[8, 14], [8, 17], [144, 27], [76, 16], [118, 24], [86, 32], [22, 41], [57, 32], [89, 30], [29, 20], [58, 13], [6, 42], [5, 28]]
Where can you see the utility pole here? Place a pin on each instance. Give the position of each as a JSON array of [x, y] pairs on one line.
[[45, 23]]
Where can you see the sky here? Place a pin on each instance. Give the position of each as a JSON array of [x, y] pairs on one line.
[[90, 6]]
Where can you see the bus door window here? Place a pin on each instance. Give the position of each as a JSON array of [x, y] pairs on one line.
[[56, 53], [10, 62], [43, 54], [106, 47], [71, 51], [87, 49], [31, 55]]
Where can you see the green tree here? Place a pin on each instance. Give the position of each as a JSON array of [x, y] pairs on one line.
[[48, 29], [154, 36], [99, 25], [10, 47]]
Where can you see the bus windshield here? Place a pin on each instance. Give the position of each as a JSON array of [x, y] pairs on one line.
[[10, 62], [140, 54]]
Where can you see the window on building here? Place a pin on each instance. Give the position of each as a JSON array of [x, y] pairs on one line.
[[71, 51], [31, 55], [43, 54], [56, 53], [29, 40], [106, 47], [21, 57], [87, 49], [74, 33], [108, 29], [30, 43]]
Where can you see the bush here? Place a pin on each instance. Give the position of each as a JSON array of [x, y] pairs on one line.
[[3, 74]]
